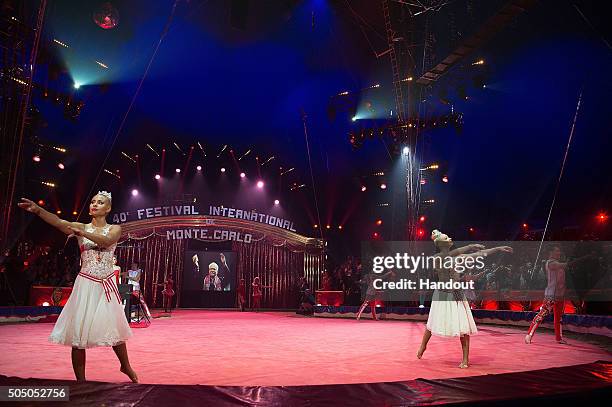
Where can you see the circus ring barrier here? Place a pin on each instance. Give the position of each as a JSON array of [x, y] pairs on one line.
[[278, 256]]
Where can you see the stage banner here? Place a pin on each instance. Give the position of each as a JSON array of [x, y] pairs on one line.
[[198, 209]]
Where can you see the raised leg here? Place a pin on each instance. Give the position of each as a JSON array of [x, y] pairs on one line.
[[365, 304], [122, 355], [424, 341], [465, 346], [545, 309], [78, 364]]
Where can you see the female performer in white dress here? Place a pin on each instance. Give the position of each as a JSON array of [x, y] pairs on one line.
[[450, 314], [93, 315]]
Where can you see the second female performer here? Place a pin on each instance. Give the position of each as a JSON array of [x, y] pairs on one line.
[[450, 314], [93, 315]]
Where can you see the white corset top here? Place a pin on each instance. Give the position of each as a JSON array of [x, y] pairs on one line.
[[96, 261]]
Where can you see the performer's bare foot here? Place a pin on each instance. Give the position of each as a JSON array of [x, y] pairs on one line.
[[129, 372], [527, 339], [464, 365], [421, 351]]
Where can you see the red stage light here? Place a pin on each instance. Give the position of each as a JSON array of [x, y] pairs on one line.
[[74, 213], [379, 222], [58, 212], [525, 226], [471, 230], [375, 235], [260, 184], [328, 226], [420, 232], [41, 202], [422, 219], [602, 217], [340, 227], [315, 226], [36, 158]]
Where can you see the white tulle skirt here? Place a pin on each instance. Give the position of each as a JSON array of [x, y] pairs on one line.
[[89, 320], [448, 317]]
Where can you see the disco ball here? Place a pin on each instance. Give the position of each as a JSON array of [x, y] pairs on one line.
[[106, 16]]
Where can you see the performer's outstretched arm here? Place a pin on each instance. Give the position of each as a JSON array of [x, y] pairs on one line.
[[51, 218], [466, 249]]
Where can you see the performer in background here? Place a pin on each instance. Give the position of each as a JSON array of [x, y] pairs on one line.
[[133, 276], [554, 295], [116, 270], [241, 294], [371, 293], [450, 314], [212, 282], [93, 315], [168, 293], [257, 293]]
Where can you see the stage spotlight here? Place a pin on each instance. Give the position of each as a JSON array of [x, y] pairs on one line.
[[134, 192], [375, 235], [242, 175], [222, 169], [41, 202], [340, 227], [525, 226], [328, 227], [199, 168], [45, 304], [61, 166], [315, 226], [471, 230], [157, 176], [423, 181], [406, 151], [363, 188], [383, 186], [420, 232], [445, 178], [178, 170], [422, 219], [36, 158], [276, 202], [379, 222], [354, 118], [77, 85], [602, 217], [58, 212], [260, 184], [74, 213]]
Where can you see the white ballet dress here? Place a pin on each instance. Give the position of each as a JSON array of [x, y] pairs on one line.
[[93, 315], [450, 313]]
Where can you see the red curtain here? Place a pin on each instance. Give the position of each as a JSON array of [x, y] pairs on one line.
[[158, 257], [279, 267]]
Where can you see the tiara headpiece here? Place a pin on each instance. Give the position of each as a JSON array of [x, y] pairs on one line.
[[106, 194]]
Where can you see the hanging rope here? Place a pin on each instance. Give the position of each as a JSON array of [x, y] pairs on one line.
[[552, 205], [314, 189], [144, 76]]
